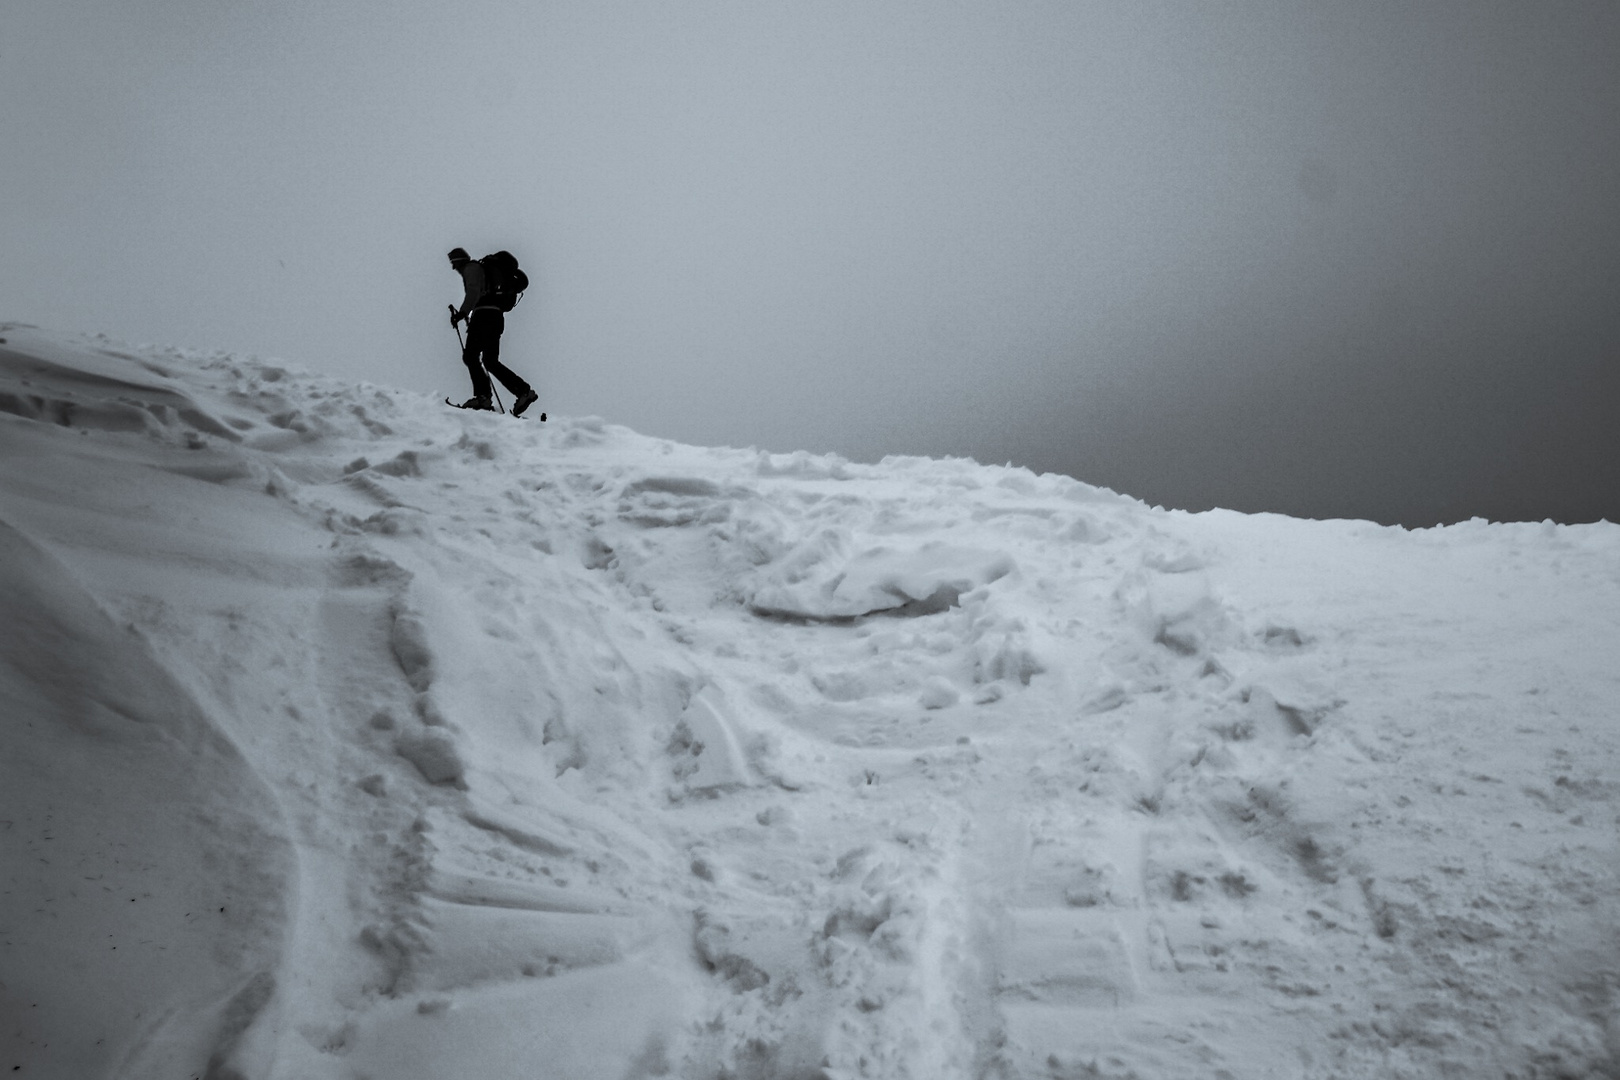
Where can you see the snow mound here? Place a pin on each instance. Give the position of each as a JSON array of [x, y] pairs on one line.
[[919, 581], [346, 735]]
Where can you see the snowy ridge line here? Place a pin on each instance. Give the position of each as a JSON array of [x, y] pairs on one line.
[[349, 736]]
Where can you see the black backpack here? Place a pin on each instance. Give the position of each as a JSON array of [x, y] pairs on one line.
[[504, 281]]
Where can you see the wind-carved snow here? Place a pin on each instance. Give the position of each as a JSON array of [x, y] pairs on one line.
[[348, 736]]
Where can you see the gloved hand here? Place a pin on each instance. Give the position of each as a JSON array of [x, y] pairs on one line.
[[455, 317]]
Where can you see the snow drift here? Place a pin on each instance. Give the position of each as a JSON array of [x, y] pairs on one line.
[[347, 736]]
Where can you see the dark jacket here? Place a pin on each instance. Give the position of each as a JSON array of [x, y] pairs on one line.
[[472, 278]]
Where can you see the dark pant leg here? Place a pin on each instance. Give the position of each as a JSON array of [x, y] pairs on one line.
[[490, 324], [492, 358], [472, 355]]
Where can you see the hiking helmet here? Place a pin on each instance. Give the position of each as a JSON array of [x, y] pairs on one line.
[[459, 256]]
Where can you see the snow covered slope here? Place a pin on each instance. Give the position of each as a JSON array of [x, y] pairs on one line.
[[343, 735]]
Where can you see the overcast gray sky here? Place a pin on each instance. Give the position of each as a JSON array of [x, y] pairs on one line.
[[1355, 259]]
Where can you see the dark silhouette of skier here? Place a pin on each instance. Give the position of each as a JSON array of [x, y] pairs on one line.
[[482, 353]]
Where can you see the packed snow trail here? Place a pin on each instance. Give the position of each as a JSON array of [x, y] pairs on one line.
[[394, 742]]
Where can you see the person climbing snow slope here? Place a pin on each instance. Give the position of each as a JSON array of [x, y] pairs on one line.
[[484, 308]]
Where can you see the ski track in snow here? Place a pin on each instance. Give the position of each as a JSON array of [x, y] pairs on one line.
[[510, 750]]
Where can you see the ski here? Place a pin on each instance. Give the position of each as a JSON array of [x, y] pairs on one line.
[[453, 405]]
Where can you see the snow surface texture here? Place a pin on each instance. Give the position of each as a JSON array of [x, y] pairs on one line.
[[349, 736]]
